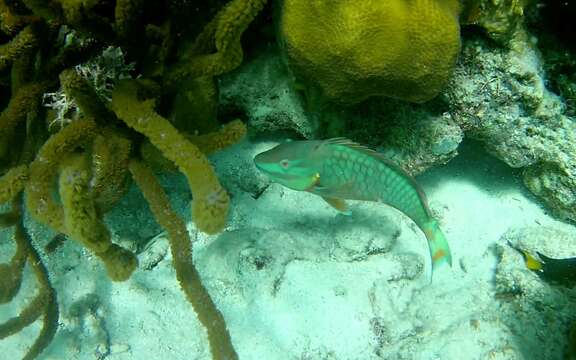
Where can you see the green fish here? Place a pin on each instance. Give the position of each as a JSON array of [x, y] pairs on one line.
[[339, 169]]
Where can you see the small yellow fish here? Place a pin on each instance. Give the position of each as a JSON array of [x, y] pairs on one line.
[[562, 271], [339, 169]]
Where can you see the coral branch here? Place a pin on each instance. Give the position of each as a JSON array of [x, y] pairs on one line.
[[110, 156], [79, 89], [46, 296], [228, 135], [10, 22], [45, 167], [188, 276], [26, 317], [125, 15], [11, 273], [45, 301], [71, 175], [210, 200], [222, 33], [26, 99], [13, 182], [22, 42], [47, 9], [83, 222]]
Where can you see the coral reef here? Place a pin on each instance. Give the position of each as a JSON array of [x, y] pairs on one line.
[[500, 19], [264, 90], [522, 292], [97, 95], [499, 95], [506, 105], [69, 165], [210, 204], [187, 274], [44, 304], [555, 31], [222, 34], [354, 50]]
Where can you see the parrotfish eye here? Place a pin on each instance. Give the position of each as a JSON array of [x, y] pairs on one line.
[[284, 163]]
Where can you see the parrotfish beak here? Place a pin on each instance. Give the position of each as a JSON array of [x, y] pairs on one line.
[[264, 162], [265, 158]]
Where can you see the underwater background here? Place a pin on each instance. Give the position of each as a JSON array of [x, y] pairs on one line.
[[135, 224]]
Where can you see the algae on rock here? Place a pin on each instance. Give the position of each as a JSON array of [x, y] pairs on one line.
[[499, 97]]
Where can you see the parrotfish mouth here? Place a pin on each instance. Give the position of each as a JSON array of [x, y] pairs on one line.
[[267, 163], [265, 167], [265, 157], [258, 166]]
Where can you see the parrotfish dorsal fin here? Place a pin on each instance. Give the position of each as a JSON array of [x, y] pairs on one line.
[[354, 145], [366, 150]]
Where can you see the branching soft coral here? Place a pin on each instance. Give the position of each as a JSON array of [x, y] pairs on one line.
[[83, 223], [68, 176], [181, 248], [23, 41], [222, 34], [210, 202], [43, 304]]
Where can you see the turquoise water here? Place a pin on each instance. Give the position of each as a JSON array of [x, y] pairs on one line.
[[101, 100]]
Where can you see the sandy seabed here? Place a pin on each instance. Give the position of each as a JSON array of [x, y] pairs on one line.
[[297, 280]]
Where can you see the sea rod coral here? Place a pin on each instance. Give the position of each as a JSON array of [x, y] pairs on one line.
[[69, 175]]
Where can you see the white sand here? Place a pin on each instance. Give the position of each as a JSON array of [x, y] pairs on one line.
[[297, 280]]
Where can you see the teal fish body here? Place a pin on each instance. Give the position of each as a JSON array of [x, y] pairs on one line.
[[338, 170], [353, 172]]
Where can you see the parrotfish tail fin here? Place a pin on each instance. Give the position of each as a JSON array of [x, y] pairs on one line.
[[437, 244]]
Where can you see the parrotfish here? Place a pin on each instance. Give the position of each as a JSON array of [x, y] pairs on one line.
[[339, 169]]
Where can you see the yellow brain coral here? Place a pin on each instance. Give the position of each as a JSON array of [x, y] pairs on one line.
[[354, 49]]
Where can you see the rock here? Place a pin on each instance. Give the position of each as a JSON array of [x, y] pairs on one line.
[[263, 89], [500, 19], [499, 97], [154, 252], [535, 311]]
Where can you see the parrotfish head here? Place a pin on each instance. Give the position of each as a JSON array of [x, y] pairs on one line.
[[294, 164]]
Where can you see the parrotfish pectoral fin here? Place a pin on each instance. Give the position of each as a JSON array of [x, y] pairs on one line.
[[437, 244], [338, 204]]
